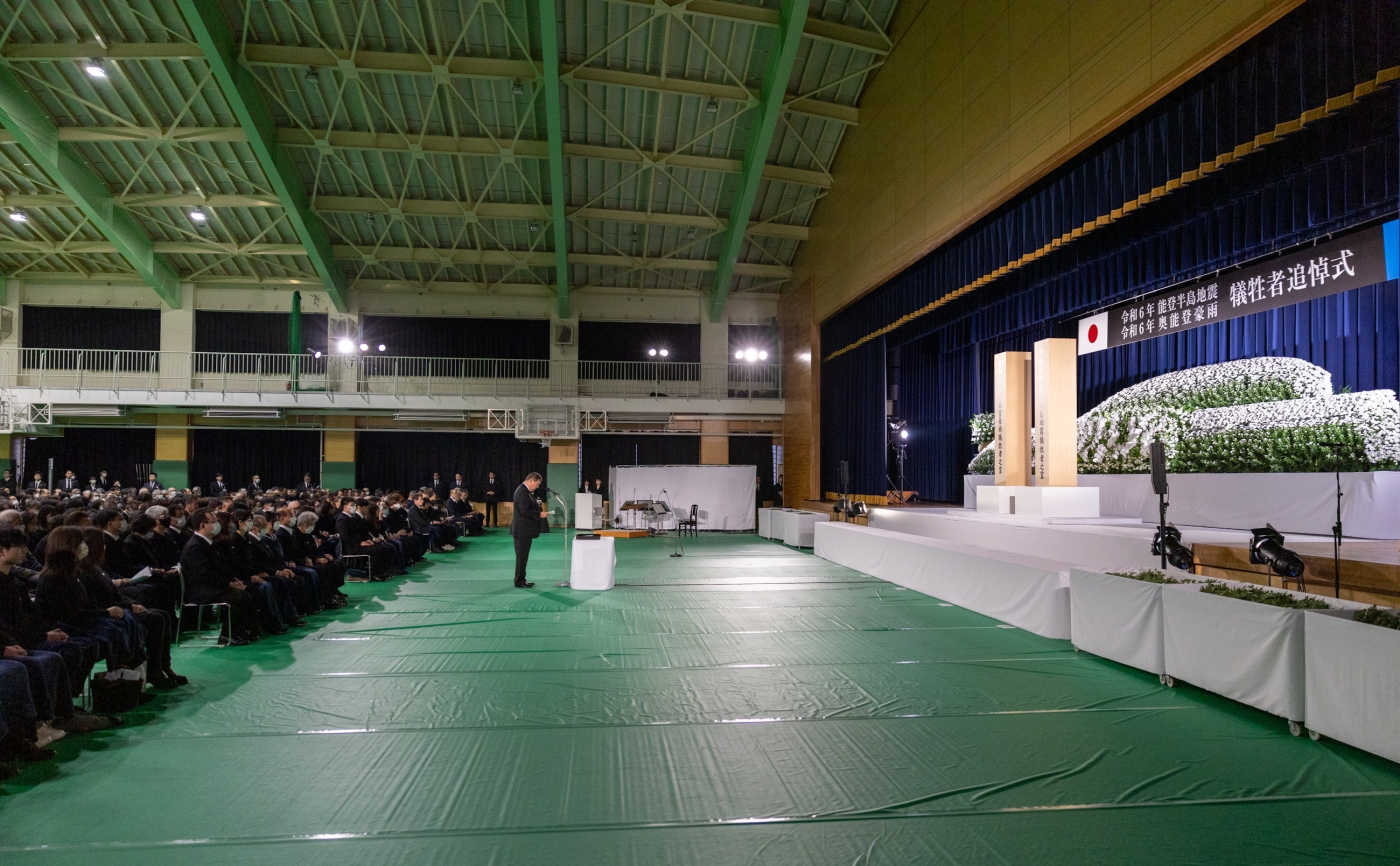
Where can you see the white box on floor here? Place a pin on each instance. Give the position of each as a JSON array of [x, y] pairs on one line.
[[1039, 501], [588, 511], [592, 564]]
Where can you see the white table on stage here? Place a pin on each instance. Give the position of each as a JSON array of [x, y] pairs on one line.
[[795, 528], [765, 521], [588, 511], [592, 563]]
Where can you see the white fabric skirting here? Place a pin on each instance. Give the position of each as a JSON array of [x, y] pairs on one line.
[[726, 495], [1118, 618], [1246, 651], [1291, 501], [1028, 592], [1353, 681]]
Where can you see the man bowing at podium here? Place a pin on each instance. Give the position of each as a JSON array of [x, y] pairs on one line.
[[525, 525]]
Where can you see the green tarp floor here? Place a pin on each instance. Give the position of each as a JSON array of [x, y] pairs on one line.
[[744, 704]]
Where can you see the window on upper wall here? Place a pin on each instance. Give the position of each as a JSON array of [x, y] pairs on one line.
[[639, 341]]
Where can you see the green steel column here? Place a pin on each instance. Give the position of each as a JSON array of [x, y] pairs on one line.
[[37, 134], [294, 347], [549, 48], [245, 97], [781, 55]]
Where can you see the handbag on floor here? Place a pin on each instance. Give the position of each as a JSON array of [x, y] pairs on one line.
[[116, 691]]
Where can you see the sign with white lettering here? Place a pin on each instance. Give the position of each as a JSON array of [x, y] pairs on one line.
[[1361, 258]]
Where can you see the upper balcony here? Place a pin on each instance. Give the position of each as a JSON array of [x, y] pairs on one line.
[[378, 381]]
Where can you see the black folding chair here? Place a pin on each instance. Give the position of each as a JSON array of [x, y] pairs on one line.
[[692, 523]]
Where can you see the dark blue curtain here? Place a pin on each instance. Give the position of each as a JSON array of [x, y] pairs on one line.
[[450, 337], [404, 461], [853, 419], [125, 452], [1336, 173], [278, 457]]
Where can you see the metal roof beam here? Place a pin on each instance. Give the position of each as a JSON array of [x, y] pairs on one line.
[[781, 55], [36, 133], [244, 94], [554, 127], [395, 143], [819, 29], [415, 255]]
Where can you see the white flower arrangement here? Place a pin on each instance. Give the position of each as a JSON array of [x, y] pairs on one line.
[[983, 427], [1296, 435]]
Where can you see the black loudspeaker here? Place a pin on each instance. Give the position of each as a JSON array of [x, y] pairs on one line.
[[843, 476], [1158, 453]]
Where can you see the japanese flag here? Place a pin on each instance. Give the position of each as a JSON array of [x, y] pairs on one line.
[[1093, 334]]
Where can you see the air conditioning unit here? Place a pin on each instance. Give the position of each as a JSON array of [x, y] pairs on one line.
[[563, 335]]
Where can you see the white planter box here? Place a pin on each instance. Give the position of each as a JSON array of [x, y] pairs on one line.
[[1250, 652], [1353, 681], [1118, 618]]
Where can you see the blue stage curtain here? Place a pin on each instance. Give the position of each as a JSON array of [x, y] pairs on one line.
[[1335, 174], [853, 418]]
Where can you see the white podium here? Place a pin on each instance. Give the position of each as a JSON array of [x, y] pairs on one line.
[[592, 563], [588, 511]]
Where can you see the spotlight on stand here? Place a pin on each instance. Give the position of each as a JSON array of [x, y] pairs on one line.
[[840, 506], [856, 509], [1266, 548], [1166, 541]]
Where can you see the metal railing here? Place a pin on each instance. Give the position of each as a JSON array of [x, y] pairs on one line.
[[396, 376]]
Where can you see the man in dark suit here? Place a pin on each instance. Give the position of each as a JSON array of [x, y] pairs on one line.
[[37, 484], [93, 486], [68, 481], [436, 486], [152, 484], [104, 481], [492, 494], [207, 581], [306, 485], [218, 488], [458, 483], [255, 486], [525, 525]]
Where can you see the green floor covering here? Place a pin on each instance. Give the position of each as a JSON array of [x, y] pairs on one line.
[[744, 704]]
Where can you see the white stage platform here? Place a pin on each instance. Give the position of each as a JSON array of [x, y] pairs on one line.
[[1029, 592], [1293, 502]]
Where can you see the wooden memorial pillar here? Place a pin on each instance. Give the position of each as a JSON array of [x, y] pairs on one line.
[[1011, 400], [1056, 433]]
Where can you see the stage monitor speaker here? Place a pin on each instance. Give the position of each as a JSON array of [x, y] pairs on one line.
[[843, 476], [1158, 454]]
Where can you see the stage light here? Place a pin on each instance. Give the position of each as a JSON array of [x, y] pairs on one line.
[[315, 354], [94, 69], [651, 352], [19, 216], [345, 345], [664, 352], [750, 355], [762, 355], [739, 355], [381, 347], [904, 434], [364, 347], [839, 507], [1178, 554], [198, 215], [857, 509], [1266, 548]]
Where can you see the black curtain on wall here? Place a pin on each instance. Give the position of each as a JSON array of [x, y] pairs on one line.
[[629, 341], [125, 452], [762, 337], [90, 328], [442, 337], [603, 450], [279, 457], [758, 451], [1336, 173], [405, 461], [256, 333]]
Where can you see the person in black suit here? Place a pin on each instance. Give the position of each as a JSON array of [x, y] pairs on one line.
[[208, 581], [357, 539], [492, 494], [104, 481], [68, 481], [525, 525], [306, 485], [436, 485], [255, 486], [93, 486], [458, 483], [218, 488], [7, 482], [37, 483], [152, 484]]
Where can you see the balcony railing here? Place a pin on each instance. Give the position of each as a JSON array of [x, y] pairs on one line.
[[396, 376]]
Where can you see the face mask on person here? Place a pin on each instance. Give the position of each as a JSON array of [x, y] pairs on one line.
[[308, 529], [216, 528], [179, 523], [125, 526], [82, 550]]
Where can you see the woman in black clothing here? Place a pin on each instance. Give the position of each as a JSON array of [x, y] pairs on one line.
[[158, 625], [64, 603]]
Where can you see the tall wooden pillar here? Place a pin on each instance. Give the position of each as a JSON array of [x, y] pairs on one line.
[[1056, 433], [1012, 407]]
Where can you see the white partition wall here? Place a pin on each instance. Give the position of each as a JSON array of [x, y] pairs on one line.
[[726, 495]]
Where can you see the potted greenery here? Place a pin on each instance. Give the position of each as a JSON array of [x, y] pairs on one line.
[[1118, 615], [1353, 678], [1240, 640]]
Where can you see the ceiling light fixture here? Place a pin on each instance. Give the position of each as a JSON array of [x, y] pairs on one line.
[[198, 215], [712, 106], [94, 69], [534, 225], [381, 347], [19, 216], [345, 345], [313, 75], [519, 87], [364, 347]]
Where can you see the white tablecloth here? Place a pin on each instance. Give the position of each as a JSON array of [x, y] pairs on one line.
[[1353, 681], [1118, 618], [794, 528], [1029, 592], [592, 563]]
